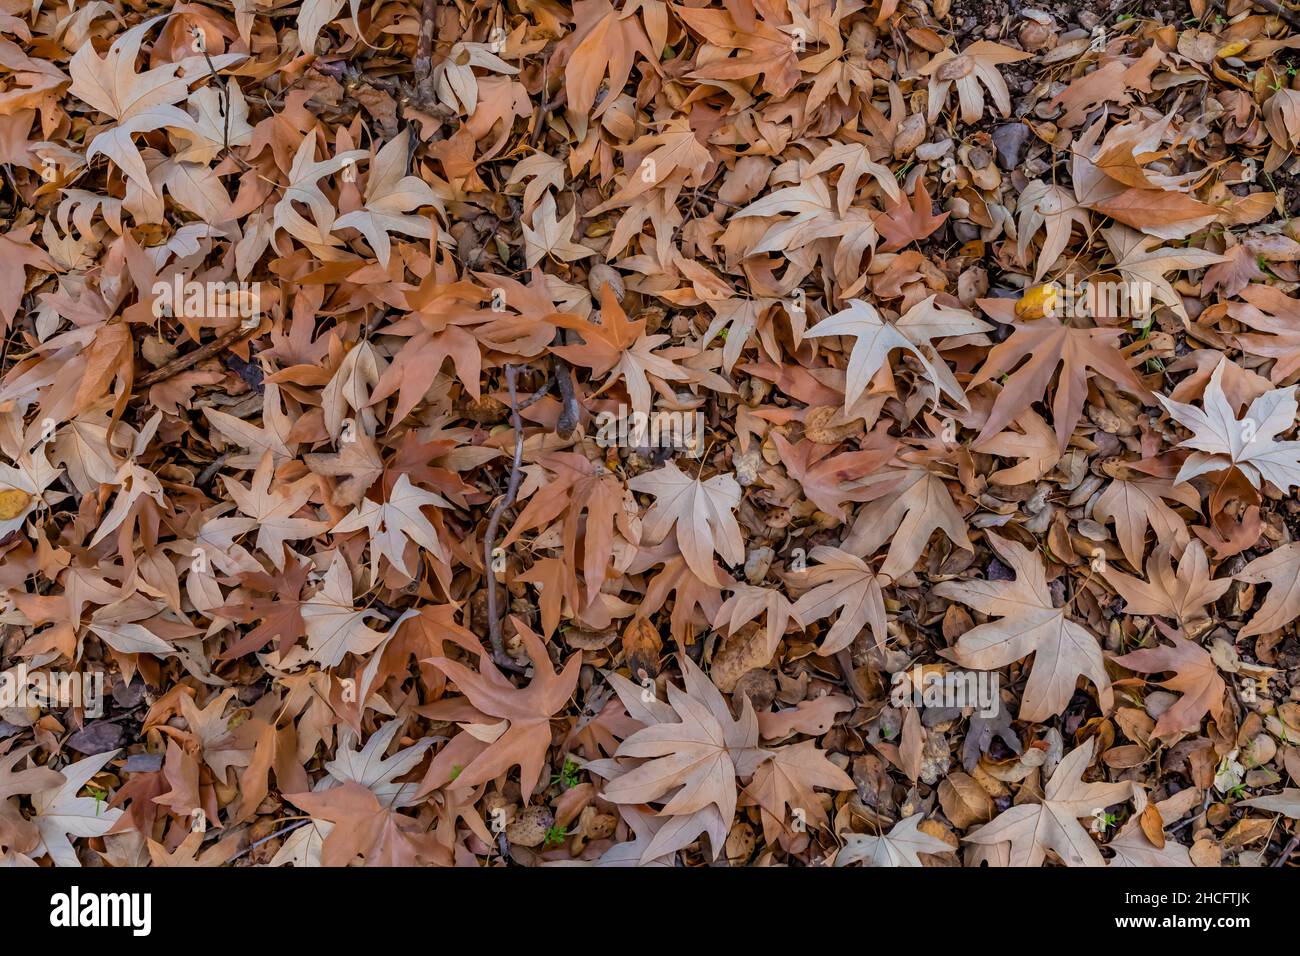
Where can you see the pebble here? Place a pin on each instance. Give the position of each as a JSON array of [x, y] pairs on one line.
[[929, 152], [1011, 141]]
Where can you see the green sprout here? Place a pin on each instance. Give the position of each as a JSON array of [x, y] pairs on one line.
[[555, 835], [568, 774]]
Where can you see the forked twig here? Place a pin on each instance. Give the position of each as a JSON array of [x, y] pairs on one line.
[[494, 523]]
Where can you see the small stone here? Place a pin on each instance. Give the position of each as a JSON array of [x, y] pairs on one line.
[[911, 134], [1011, 141], [143, 763], [97, 737], [929, 152], [530, 826], [757, 564]]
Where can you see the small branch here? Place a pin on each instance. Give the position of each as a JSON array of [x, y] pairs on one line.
[[278, 833], [182, 362], [210, 472], [569, 411], [1275, 8], [494, 522], [538, 395], [423, 62], [1287, 851]]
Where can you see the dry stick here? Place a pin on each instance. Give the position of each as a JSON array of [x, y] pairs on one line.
[[182, 362], [1272, 6], [1287, 851], [569, 413], [278, 833], [494, 522], [423, 62]]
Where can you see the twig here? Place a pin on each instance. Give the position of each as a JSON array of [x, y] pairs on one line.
[[210, 472], [538, 395], [494, 522], [1287, 851], [253, 846], [182, 362], [1272, 6], [423, 63], [569, 412]]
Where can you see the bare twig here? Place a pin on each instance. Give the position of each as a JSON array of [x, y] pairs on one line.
[[494, 522], [569, 412], [210, 472], [423, 63], [1275, 8], [278, 833], [182, 362], [1287, 851], [538, 395]]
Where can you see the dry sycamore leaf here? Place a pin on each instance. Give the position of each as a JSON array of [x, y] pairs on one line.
[[618, 347], [315, 15], [844, 583], [1287, 803], [1035, 443], [391, 523], [389, 197], [1042, 346], [360, 826], [830, 482], [747, 603], [1146, 268], [138, 102], [875, 339], [1142, 841], [1032, 829], [898, 847], [335, 627], [902, 222], [786, 783], [977, 64], [856, 162], [547, 237], [1222, 440], [61, 814], [605, 44], [909, 505], [304, 178], [1280, 570], [1029, 623], [1196, 677], [19, 832], [1138, 504], [1182, 596], [1055, 210], [1271, 312], [701, 511], [528, 711], [691, 765], [271, 513]]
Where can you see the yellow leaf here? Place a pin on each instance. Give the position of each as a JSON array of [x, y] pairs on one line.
[[13, 502], [1037, 301]]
